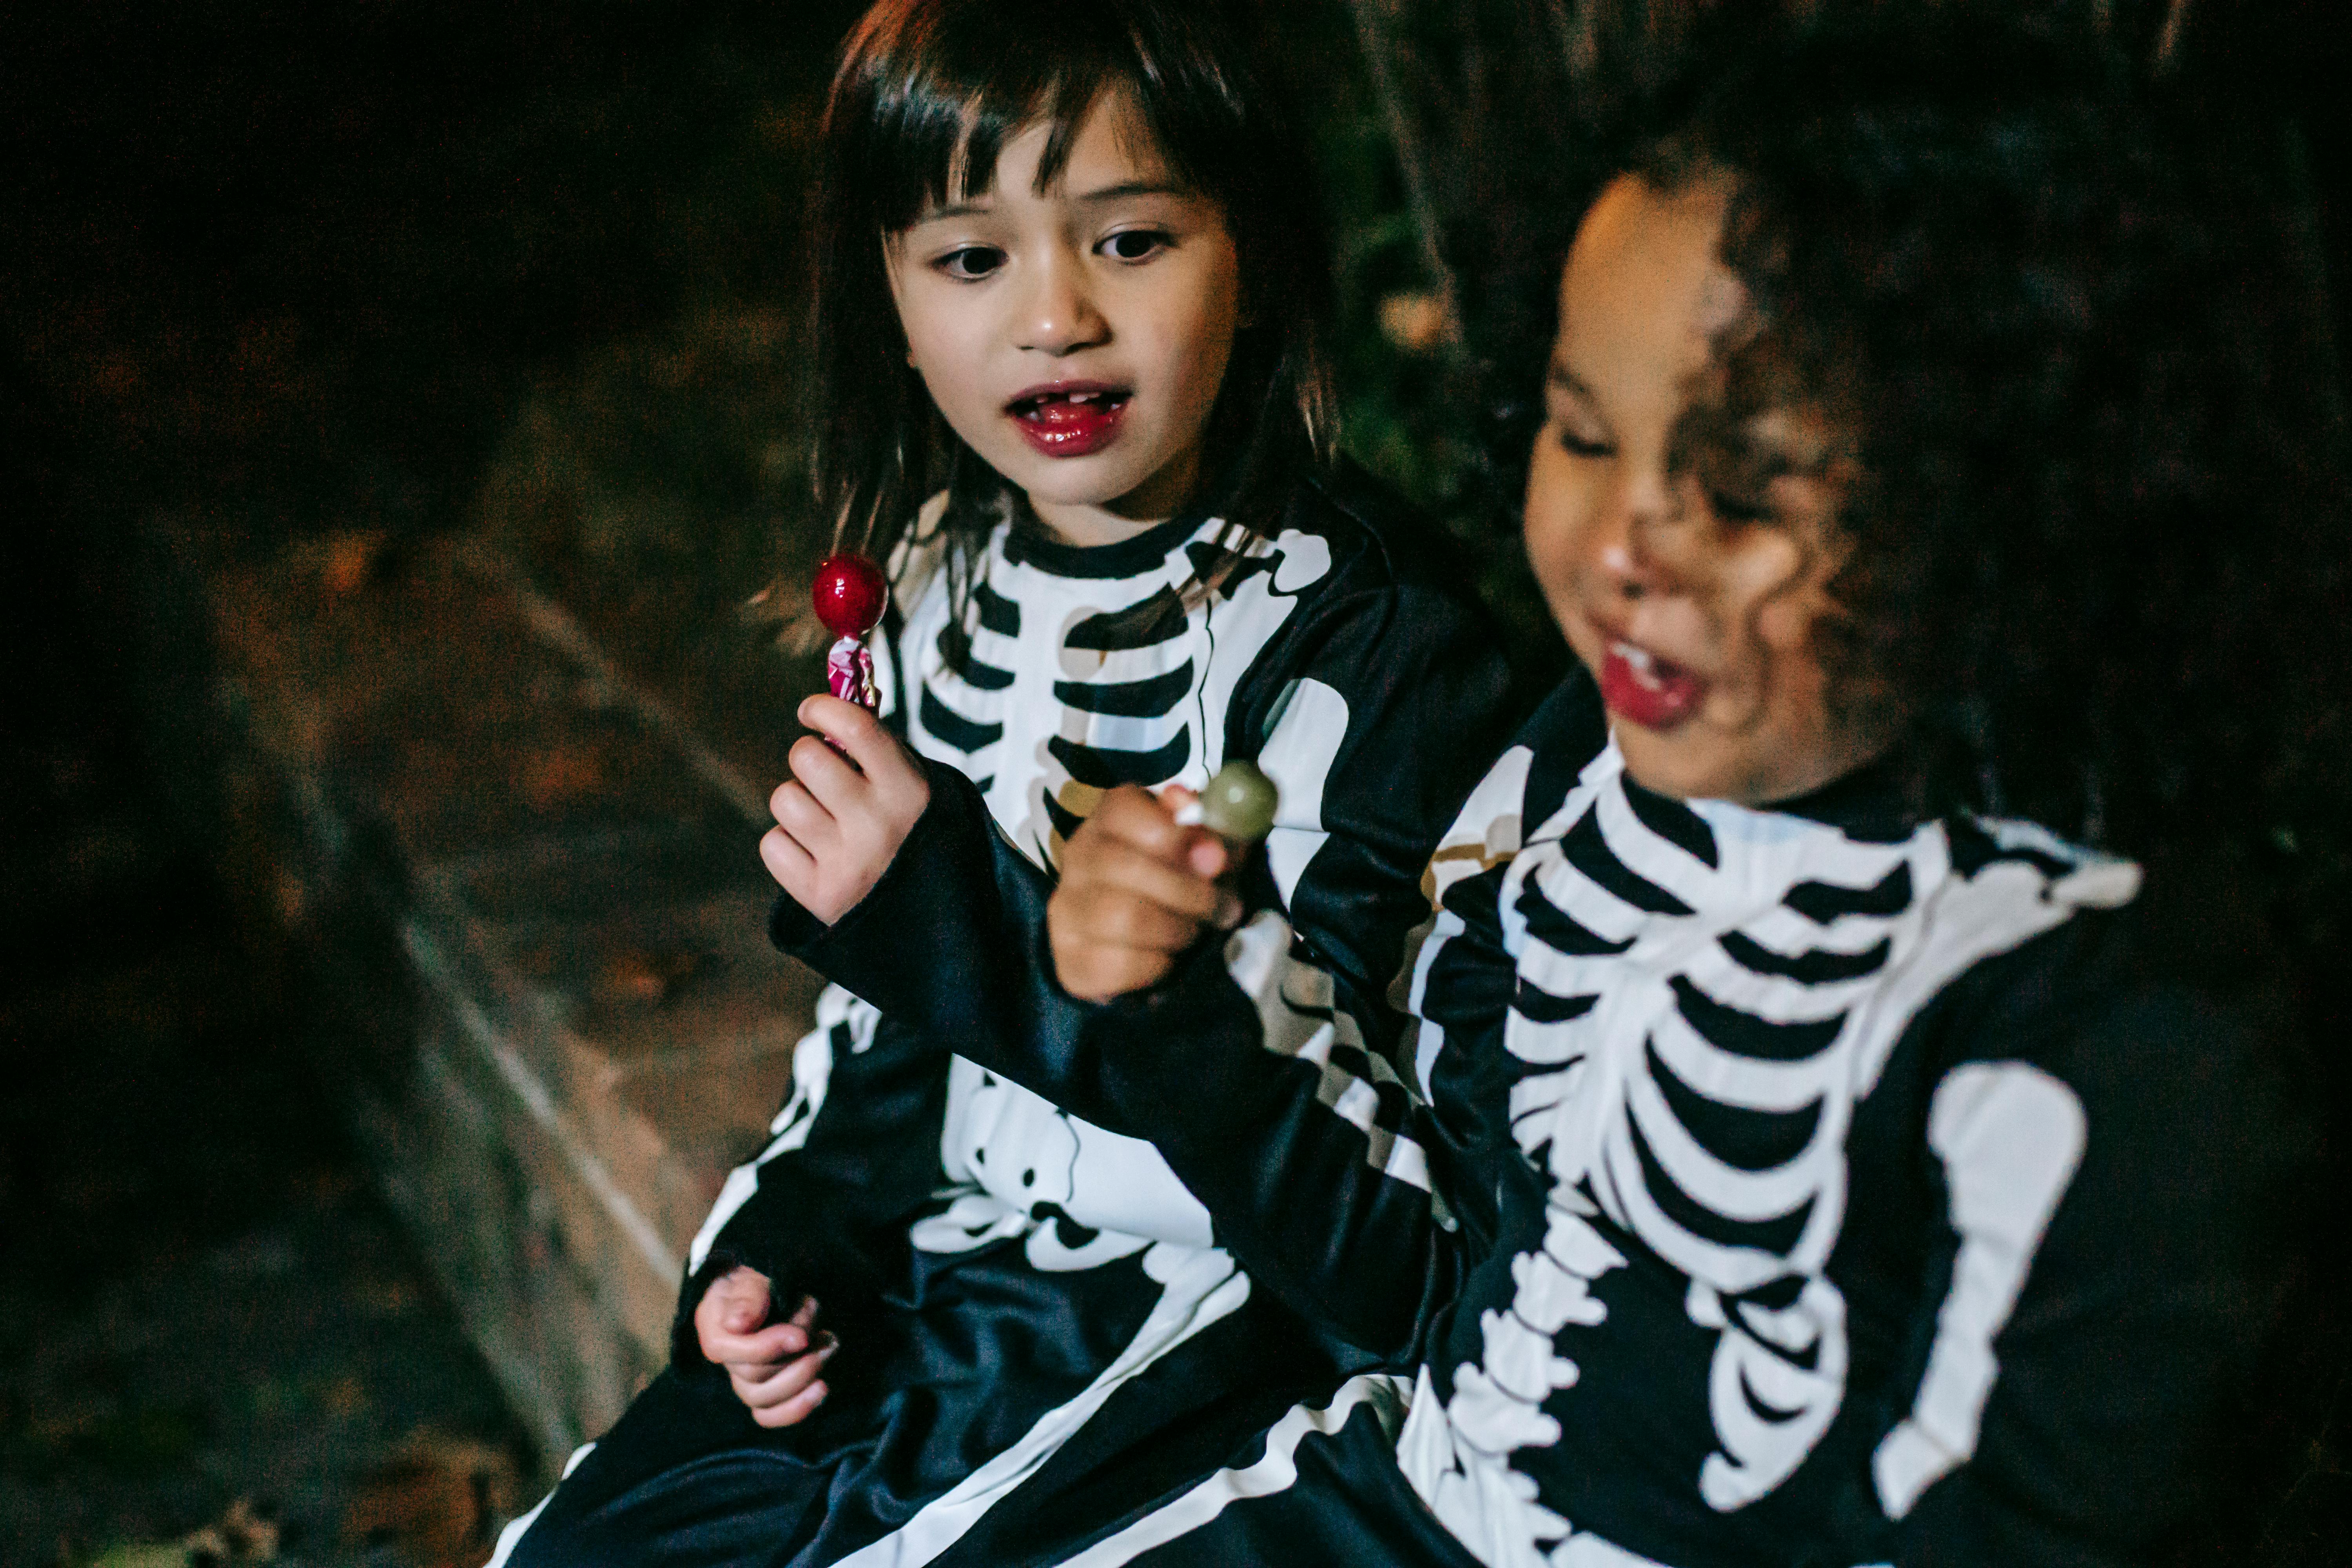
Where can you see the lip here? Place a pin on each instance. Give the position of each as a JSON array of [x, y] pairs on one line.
[[1069, 418], [1639, 685]]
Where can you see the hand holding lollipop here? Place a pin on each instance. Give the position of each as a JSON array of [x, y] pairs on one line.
[[851, 595], [1139, 885]]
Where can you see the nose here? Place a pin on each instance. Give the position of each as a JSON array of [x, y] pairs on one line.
[[1059, 314], [1625, 557]]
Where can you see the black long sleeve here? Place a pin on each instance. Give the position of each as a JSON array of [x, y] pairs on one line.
[[952, 942]]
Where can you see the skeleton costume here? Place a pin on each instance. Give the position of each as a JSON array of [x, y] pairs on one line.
[[1041, 1336], [1820, 1186]]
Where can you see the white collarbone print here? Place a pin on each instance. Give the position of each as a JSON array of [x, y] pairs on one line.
[[1707, 991], [1073, 685]]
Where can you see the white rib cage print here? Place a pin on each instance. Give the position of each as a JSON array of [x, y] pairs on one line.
[[1705, 993], [1075, 685]]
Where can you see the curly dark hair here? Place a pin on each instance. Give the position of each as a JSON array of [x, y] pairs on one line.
[[2100, 550]]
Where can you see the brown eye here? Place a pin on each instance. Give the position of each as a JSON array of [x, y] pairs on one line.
[[972, 263], [1134, 245], [1729, 508]]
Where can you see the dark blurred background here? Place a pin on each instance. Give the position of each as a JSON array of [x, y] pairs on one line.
[[280, 278]]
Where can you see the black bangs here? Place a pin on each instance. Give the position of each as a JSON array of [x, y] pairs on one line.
[[928, 94]]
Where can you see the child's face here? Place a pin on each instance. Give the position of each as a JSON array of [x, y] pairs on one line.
[[1686, 551], [1076, 340]]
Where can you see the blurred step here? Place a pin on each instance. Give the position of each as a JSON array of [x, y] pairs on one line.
[[533, 900]]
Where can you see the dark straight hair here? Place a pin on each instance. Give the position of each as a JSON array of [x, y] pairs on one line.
[[928, 94]]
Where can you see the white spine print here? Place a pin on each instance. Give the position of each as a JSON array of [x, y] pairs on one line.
[[1606, 1111], [2011, 1138]]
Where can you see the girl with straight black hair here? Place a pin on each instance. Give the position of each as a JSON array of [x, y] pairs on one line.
[[1070, 349]]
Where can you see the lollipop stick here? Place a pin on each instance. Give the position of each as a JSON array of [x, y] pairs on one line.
[[851, 593]]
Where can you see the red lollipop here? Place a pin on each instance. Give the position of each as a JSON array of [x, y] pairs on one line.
[[850, 594]]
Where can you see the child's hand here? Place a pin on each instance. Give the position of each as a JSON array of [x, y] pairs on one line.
[[1136, 892], [773, 1368], [839, 825]]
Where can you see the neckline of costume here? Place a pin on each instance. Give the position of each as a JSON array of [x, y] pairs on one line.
[[1866, 804], [1027, 542]]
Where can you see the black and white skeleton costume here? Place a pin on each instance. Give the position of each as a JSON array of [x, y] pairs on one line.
[[1826, 1187], [1041, 1334]]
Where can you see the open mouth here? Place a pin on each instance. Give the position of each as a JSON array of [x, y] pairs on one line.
[[1649, 690], [1070, 419]]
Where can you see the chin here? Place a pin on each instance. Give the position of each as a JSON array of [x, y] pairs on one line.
[[1125, 499], [1664, 767], [1070, 481]]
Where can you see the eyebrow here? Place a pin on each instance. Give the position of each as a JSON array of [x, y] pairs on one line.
[[1130, 188], [1764, 458], [1125, 190], [1566, 379]]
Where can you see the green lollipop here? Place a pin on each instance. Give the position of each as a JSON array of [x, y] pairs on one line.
[[1239, 804]]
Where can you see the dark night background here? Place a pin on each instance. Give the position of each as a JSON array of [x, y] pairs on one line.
[[272, 274]]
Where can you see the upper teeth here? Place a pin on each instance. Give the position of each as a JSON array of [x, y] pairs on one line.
[[1083, 397], [1635, 657]]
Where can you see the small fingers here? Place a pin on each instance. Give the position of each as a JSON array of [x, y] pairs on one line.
[[729, 1312], [847, 724], [792, 867], [824, 772], [1129, 816], [1193, 846], [741, 1297], [763, 1348], [794, 1410], [1205, 854], [763, 1388], [798, 813], [866, 741], [1107, 917], [1120, 870]]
